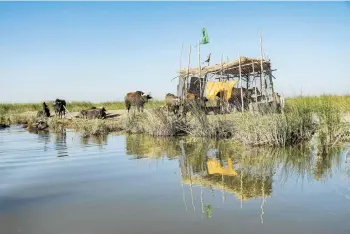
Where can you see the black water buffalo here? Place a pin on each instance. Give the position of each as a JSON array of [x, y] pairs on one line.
[[60, 107], [137, 99], [92, 113], [44, 112], [172, 102]]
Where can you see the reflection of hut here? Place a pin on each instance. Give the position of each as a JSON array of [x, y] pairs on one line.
[[214, 167], [245, 186]]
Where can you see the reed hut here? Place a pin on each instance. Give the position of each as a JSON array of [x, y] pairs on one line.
[[246, 73]]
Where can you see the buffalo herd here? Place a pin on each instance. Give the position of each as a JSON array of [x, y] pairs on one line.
[[60, 111], [173, 103]]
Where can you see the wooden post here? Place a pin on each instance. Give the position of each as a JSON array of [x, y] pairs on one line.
[[271, 83], [240, 78], [182, 167], [246, 91], [222, 67], [188, 72], [182, 48], [254, 80], [221, 72], [247, 83], [199, 65], [262, 78], [181, 79]]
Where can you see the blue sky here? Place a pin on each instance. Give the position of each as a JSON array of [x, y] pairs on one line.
[[98, 51]]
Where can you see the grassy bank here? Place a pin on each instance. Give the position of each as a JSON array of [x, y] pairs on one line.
[[342, 103], [317, 119], [71, 106]]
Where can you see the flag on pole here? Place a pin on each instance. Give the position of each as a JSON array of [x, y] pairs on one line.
[[205, 38]]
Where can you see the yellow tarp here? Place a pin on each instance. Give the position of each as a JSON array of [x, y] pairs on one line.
[[213, 87]]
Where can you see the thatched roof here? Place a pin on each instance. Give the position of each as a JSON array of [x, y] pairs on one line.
[[231, 67]]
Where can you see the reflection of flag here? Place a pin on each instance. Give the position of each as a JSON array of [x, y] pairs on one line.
[[205, 38]]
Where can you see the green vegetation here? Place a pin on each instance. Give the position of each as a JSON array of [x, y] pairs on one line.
[[321, 120], [341, 103]]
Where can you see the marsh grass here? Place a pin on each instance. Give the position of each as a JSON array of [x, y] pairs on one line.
[[303, 119], [342, 103], [13, 119], [95, 127]]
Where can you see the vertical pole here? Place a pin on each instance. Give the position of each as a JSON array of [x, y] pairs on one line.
[[221, 91], [182, 167], [254, 80], [188, 72], [222, 66], [199, 65], [262, 78], [240, 78], [182, 48], [272, 91], [181, 79]]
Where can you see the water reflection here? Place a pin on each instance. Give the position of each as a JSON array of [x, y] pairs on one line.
[[44, 137], [247, 173], [99, 188], [61, 144], [99, 140]]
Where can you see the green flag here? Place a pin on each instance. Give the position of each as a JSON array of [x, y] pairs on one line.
[[205, 38]]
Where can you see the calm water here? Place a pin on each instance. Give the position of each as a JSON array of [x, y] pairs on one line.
[[65, 184]]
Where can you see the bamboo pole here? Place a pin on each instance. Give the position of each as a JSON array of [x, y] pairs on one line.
[[271, 83], [240, 78], [241, 193], [223, 188], [68, 112], [182, 48], [202, 200], [263, 199], [181, 162], [181, 79], [254, 80], [188, 73], [222, 67], [262, 78], [199, 66]]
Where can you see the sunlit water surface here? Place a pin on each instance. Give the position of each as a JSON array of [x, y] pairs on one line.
[[66, 184]]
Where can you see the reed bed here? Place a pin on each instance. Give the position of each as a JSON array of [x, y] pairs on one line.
[[304, 119], [342, 103]]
